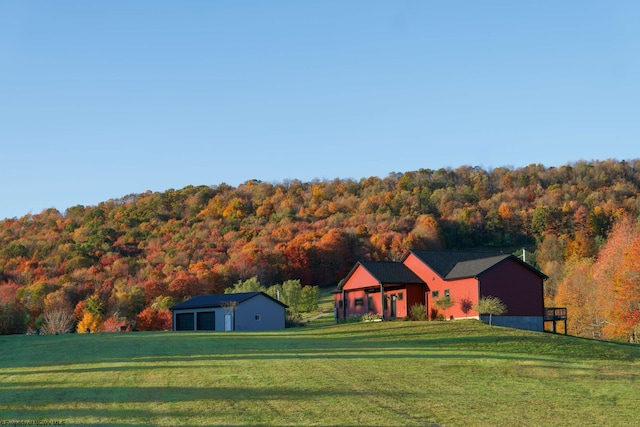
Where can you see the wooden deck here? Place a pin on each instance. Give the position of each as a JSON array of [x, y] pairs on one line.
[[556, 314]]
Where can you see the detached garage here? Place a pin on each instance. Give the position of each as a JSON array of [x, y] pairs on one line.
[[248, 311]]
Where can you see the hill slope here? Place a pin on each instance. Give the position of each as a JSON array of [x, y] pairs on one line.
[[129, 254]]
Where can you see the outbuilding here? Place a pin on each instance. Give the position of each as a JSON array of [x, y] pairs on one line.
[[247, 311]]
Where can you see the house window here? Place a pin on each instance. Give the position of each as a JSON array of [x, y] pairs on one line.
[[339, 303], [258, 318], [370, 303], [435, 294], [400, 296], [358, 302], [446, 293]]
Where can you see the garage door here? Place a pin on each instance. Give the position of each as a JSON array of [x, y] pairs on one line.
[[184, 322], [206, 321]]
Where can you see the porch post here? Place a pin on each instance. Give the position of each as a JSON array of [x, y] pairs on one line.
[[381, 300]]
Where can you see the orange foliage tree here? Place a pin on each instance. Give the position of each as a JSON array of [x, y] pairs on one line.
[[626, 284]]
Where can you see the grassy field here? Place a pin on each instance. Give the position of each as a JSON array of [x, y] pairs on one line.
[[460, 373]]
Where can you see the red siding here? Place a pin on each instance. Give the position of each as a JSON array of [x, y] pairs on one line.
[[458, 289], [360, 278], [362, 285]]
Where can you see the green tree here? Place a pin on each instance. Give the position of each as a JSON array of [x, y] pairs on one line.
[[250, 285], [444, 303], [309, 298], [491, 306]]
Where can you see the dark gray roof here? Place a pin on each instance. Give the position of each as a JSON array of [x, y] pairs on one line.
[[218, 300], [460, 264], [474, 267], [391, 272]]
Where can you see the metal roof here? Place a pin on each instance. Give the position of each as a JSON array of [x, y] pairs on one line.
[[219, 300], [391, 272], [460, 264]]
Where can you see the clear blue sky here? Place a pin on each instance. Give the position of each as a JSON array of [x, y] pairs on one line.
[[99, 99]]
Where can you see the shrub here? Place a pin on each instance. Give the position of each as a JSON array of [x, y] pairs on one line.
[[466, 305], [114, 324], [352, 319], [371, 317], [418, 312], [293, 319]]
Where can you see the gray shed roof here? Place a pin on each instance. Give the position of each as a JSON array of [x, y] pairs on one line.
[[218, 300]]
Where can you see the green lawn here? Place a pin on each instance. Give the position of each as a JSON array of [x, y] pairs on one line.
[[460, 373]]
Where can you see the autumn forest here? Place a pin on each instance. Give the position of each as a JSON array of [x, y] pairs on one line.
[[125, 261]]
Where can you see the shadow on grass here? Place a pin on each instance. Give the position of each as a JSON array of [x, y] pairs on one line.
[[394, 340], [225, 405]]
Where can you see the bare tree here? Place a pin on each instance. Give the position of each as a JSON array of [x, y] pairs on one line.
[[229, 310], [57, 321]]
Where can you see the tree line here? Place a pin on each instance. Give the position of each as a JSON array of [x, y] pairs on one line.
[[141, 252]]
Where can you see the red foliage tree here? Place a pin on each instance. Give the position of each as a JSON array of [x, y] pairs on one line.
[[151, 319], [184, 285]]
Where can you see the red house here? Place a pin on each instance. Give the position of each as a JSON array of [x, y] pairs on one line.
[[422, 277]]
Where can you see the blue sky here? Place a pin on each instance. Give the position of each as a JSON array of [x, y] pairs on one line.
[[105, 98]]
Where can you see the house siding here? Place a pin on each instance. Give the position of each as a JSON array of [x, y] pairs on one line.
[[520, 289], [527, 323], [360, 278], [259, 314], [458, 289]]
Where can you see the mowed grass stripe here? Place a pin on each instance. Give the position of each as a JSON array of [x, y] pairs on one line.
[[385, 373]]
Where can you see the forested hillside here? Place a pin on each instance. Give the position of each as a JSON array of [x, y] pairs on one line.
[[145, 251]]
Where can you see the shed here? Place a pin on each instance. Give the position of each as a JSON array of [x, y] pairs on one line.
[[247, 311]]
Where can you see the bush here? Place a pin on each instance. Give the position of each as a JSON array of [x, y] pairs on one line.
[[352, 319], [371, 317], [293, 319], [418, 312]]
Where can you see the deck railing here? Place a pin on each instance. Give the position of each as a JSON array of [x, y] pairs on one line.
[[556, 314]]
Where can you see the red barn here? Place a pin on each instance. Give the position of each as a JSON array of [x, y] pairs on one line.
[[422, 277]]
